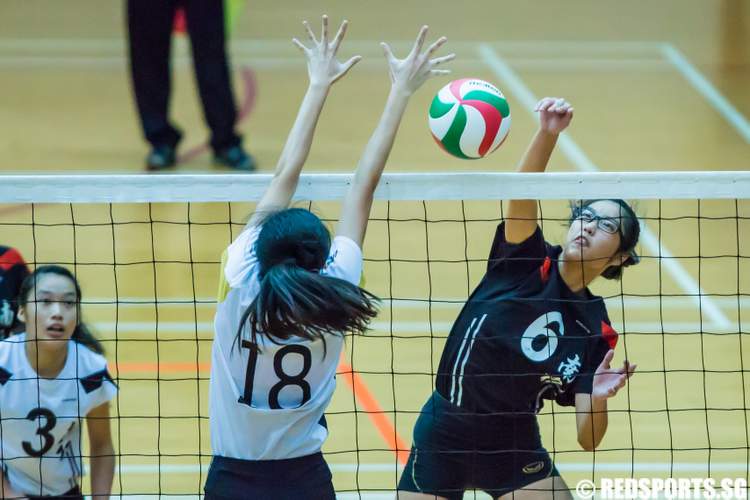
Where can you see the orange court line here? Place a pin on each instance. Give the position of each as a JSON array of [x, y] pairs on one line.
[[355, 382], [374, 411]]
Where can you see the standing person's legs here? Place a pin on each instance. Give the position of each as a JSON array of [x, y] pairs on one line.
[[150, 33], [205, 21]]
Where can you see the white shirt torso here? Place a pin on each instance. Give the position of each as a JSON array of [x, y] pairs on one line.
[[40, 419], [292, 381]]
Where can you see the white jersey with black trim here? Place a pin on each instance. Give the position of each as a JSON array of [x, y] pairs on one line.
[[269, 405], [40, 418]]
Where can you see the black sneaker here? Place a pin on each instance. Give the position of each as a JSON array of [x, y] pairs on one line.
[[235, 157], [161, 158]]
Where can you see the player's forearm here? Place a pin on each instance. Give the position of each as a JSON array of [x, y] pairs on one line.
[[297, 146], [593, 426], [523, 213], [538, 153], [102, 472], [375, 155]]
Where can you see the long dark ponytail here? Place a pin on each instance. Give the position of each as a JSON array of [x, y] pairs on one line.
[[295, 300], [81, 334]]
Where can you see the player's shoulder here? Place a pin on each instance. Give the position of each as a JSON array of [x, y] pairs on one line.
[[88, 359], [10, 344], [9, 349], [92, 368]]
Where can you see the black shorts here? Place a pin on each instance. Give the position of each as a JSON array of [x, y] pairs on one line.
[[455, 451], [293, 478], [74, 494]]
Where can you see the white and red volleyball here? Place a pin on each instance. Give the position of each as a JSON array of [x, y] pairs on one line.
[[469, 118]]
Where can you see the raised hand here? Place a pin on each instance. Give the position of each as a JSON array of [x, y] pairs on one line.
[[322, 65], [410, 73], [607, 380], [555, 114]]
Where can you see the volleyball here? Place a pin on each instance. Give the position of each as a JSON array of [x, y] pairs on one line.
[[469, 118]]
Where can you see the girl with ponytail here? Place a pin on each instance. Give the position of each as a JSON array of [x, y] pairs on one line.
[[289, 293]]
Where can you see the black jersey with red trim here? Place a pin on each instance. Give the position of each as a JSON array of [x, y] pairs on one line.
[[13, 271], [523, 335]]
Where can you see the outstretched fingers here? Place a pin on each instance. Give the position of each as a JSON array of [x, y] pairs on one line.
[[388, 51], [443, 59], [419, 43], [349, 64], [339, 36], [324, 30], [436, 45], [300, 46], [310, 34]]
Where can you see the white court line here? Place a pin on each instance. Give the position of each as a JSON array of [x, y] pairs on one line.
[[205, 328], [437, 303], [369, 468], [576, 155], [624, 468], [704, 87], [69, 62], [57, 45], [361, 495]]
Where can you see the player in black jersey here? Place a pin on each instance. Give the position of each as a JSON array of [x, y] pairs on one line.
[[531, 330]]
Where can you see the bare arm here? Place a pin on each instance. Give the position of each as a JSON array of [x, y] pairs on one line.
[[7, 491], [591, 420], [102, 452], [591, 409], [521, 215], [323, 70], [407, 75]]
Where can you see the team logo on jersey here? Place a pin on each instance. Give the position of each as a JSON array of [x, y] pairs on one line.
[[569, 368], [533, 467], [539, 341]]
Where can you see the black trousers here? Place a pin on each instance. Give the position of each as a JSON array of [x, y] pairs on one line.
[[305, 477], [150, 31]]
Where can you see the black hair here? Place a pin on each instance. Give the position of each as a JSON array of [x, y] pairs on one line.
[[629, 229], [295, 300], [81, 334]]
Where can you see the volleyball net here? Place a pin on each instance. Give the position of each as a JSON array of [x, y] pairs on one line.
[[146, 251]]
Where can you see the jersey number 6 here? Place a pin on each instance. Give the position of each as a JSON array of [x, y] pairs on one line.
[[539, 341], [284, 378]]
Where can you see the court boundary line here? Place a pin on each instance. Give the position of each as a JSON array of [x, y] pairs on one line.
[[110, 43], [708, 90], [376, 467], [634, 302], [398, 327]]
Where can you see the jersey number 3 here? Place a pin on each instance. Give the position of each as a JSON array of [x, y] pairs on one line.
[[44, 431], [285, 379]]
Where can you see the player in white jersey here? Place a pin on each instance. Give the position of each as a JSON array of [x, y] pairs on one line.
[[289, 294], [52, 376]]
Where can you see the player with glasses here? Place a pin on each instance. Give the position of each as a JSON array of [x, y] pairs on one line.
[[530, 331]]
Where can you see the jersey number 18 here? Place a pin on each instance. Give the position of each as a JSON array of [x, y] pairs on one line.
[[285, 379]]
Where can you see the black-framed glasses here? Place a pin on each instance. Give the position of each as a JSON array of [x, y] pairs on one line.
[[607, 224]]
